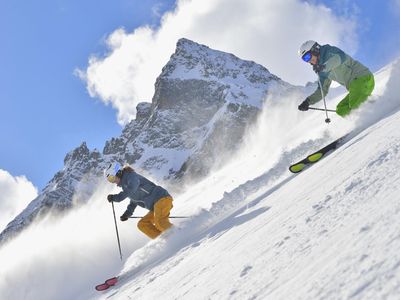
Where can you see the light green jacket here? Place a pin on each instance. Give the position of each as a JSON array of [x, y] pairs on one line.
[[339, 67]]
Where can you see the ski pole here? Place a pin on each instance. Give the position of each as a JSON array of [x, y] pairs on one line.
[[327, 120], [314, 108], [173, 217], [116, 229]]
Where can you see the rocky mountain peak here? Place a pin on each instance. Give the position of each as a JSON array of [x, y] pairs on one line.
[[203, 102], [194, 61], [79, 153]]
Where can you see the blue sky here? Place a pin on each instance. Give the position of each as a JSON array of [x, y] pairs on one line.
[[46, 110], [378, 28]]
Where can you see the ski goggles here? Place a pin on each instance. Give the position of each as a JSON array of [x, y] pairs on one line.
[[307, 56], [112, 178], [107, 284]]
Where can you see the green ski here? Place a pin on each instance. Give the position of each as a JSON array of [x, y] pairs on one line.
[[316, 156]]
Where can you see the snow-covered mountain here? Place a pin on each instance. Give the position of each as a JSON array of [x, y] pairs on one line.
[[204, 100], [255, 231]]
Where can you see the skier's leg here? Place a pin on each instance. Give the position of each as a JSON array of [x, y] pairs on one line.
[[360, 89], [146, 225], [343, 108], [162, 209]]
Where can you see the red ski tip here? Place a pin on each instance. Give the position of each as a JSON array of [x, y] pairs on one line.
[[102, 287], [108, 283], [112, 281]]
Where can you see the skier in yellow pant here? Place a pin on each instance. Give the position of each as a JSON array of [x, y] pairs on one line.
[[144, 193]]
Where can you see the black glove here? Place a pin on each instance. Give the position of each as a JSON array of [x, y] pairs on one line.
[[304, 105], [110, 198], [124, 217], [318, 68]]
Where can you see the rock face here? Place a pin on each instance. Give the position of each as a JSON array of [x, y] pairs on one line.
[[203, 102], [79, 165]]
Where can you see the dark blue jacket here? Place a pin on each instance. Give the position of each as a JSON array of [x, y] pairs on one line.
[[140, 190]]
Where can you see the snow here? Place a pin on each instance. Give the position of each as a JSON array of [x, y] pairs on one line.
[[198, 62], [255, 230], [168, 159], [330, 233]]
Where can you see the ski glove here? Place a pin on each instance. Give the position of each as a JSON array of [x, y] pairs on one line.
[[110, 198], [304, 105], [124, 217], [318, 68]]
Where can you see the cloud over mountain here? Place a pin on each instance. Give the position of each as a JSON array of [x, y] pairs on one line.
[[256, 30]]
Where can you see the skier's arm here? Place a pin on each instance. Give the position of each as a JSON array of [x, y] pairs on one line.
[[317, 96], [119, 197], [133, 184], [130, 209], [333, 62]]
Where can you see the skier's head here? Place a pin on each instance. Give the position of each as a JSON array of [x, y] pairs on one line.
[[113, 172], [309, 49]]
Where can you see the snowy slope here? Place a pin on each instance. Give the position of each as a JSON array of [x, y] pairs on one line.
[[255, 230], [331, 232]]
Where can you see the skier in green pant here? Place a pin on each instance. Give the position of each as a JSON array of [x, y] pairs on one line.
[[331, 63]]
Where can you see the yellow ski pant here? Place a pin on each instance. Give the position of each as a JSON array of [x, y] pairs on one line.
[[156, 222]]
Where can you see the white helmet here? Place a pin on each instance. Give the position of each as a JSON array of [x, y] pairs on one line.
[[308, 46], [111, 172]]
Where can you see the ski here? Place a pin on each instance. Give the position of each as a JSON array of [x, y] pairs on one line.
[[316, 156], [107, 284]]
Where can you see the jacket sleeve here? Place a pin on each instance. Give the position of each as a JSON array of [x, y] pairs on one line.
[[317, 96], [130, 209], [119, 197], [132, 186], [333, 62]]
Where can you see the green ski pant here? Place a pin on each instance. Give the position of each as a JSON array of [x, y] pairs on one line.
[[359, 90]]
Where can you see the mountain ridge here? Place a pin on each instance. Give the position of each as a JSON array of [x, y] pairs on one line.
[[203, 102]]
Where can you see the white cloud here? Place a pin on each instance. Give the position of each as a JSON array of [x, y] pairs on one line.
[[16, 193], [266, 31]]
